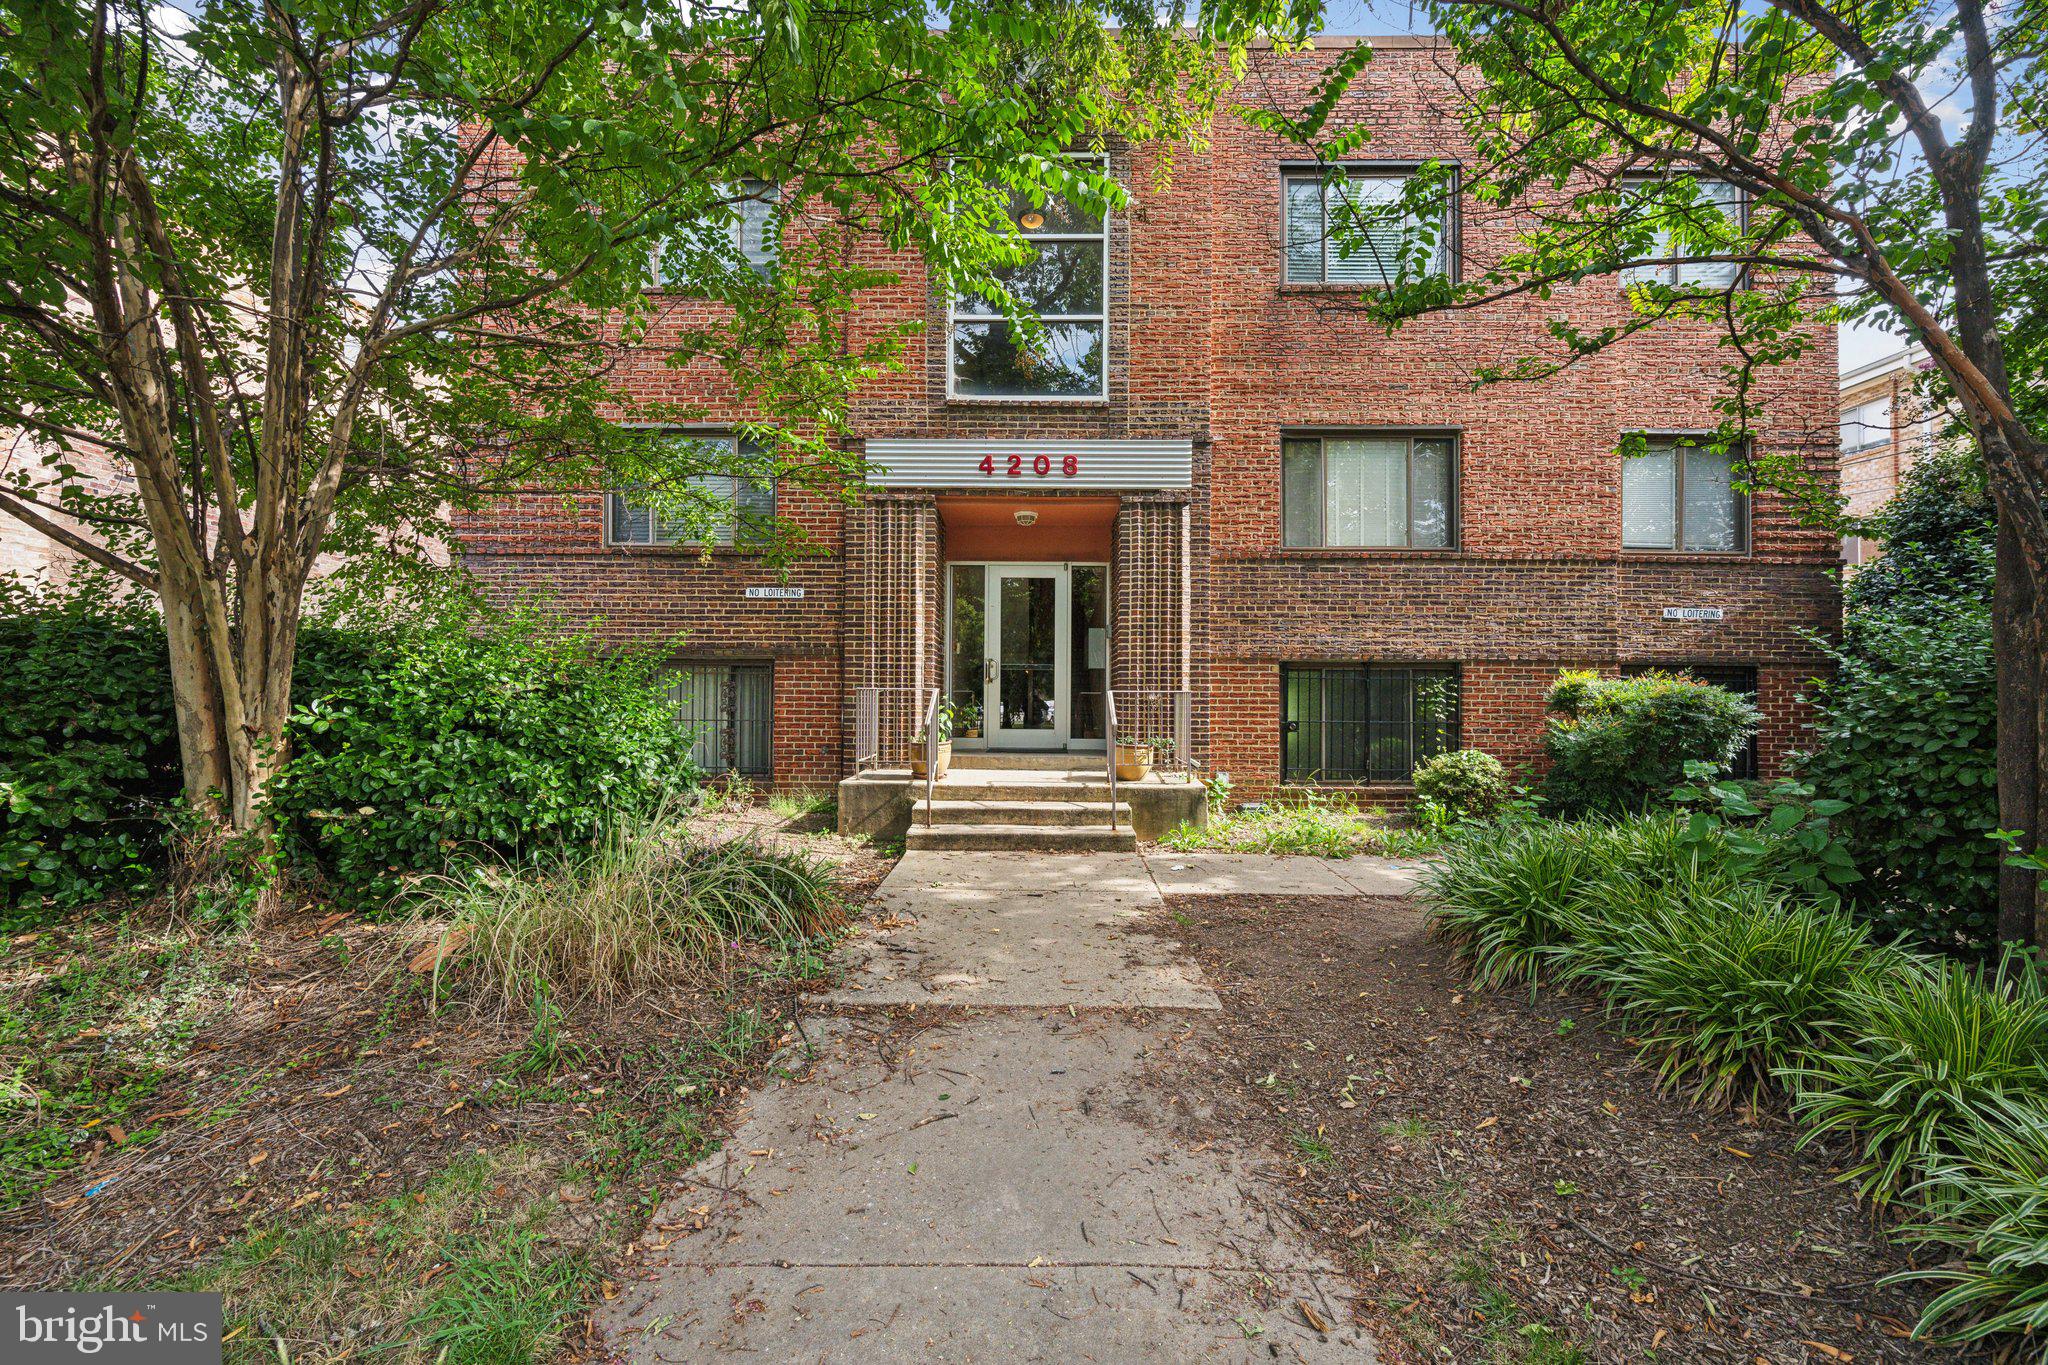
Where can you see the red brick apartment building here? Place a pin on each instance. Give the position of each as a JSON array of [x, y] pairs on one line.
[[1215, 481]]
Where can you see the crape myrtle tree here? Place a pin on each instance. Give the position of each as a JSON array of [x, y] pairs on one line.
[[1762, 170], [294, 263]]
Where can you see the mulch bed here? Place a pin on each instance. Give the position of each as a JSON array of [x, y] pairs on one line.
[[1554, 1198]]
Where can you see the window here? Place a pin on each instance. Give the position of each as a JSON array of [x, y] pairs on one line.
[[1356, 232], [751, 229], [1066, 286], [1680, 495], [1867, 426], [727, 707], [1365, 724], [1369, 490], [726, 508], [1715, 196], [1737, 679]]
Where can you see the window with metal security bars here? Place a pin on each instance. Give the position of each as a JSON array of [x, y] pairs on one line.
[[1356, 230], [723, 506], [728, 708], [1372, 723], [1737, 678]]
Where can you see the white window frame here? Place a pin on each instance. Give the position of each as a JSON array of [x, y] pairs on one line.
[[731, 540], [1680, 442], [1446, 252], [1851, 418], [954, 315], [1672, 275]]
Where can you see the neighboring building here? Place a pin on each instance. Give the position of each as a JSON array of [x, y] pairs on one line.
[[1885, 425], [27, 552], [1213, 482]]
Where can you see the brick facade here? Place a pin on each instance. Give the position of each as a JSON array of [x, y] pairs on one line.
[[1208, 345]]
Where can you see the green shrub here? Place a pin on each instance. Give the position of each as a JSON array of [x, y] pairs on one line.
[[511, 740], [1925, 1056], [1725, 985], [646, 905], [1621, 744], [1905, 731], [1991, 1203], [88, 749], [1464, 784]]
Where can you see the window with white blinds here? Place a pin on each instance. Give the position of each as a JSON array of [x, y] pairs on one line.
[[718, 508], [1365, 490], [1356, 231], [1678, 495], [748, 224], [1684, 228]]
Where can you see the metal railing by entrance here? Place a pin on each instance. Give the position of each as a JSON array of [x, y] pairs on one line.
[[1158, 719]]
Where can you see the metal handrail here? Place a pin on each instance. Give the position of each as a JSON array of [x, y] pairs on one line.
[[931, 753], [1109, 728]]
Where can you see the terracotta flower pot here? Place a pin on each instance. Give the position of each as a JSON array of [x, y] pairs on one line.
[[917, 761]]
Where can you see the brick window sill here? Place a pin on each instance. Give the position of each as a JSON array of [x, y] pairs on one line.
[[1035, 404], [1356, 552], [1687, 556], [684, 551]]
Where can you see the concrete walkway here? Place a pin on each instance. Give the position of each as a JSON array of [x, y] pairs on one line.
[[990, 1176]]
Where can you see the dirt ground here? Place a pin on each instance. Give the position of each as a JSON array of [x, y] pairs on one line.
[[1501, 1177], [300, 1078]]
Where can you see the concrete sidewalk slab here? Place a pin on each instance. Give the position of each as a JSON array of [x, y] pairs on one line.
[[994, 1187], [1240, 874], [1022, 930], [1379, 876]]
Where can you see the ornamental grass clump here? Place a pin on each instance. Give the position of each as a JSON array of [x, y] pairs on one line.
[[648, 904], [1505, 900], [1990, 1204], [1927, 1060], [1724, 985]]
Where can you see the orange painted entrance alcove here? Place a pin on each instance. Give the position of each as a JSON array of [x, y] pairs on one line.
[[1081, 530]]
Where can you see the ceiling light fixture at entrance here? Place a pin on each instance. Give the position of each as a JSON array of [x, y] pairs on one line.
[[1027, 517]]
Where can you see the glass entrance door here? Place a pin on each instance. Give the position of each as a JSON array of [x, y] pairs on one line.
[[1027, 703], [1027, 654]]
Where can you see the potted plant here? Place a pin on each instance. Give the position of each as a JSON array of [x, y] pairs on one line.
[[1133, 760], [967, 720], [920, 746]]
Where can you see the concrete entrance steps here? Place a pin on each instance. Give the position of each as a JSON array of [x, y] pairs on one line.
[[1020, 803]]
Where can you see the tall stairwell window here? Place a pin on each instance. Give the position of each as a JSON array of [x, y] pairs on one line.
[[1065, 285]]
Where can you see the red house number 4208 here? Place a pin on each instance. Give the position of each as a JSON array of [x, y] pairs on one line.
[[1041, 465]]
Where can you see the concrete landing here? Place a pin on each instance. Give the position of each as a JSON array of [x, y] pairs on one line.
[[1019, 930], [1269, 874]]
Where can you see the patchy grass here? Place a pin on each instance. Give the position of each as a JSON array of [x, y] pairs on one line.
[[86, 1043], [1317, 825], [373, 1163], [804, 806], [494, 1259]]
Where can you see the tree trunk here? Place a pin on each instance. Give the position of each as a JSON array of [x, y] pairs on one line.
[[2019, 634]]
